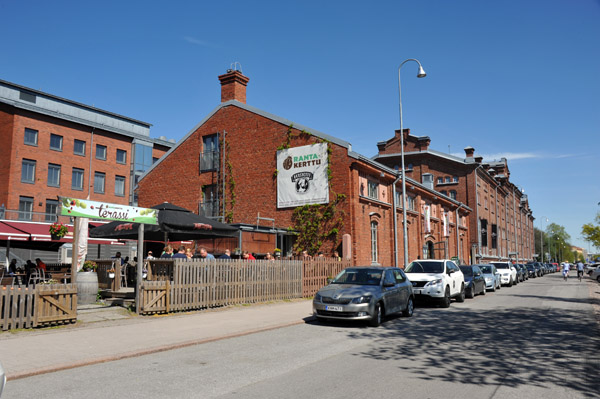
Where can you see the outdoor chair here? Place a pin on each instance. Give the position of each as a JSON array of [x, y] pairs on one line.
[[34, 277], [124, 275]]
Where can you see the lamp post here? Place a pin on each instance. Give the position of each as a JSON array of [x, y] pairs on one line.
[[420, 74]]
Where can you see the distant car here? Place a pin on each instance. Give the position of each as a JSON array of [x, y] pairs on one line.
[[508, 272], [365, 293], [492, 277], [590, 268], [596, 274], [531, 270], [439, 279], [474, 280]]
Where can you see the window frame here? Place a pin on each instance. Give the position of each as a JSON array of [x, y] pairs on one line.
[[51, 216], [99, 146], [28, 213], [54, 167], [372, 189], [73, 170], [98, 175], [124, 162], [29, 162], [124, 180], [29, 130], [59, 137], [374, 250], [75, 142]]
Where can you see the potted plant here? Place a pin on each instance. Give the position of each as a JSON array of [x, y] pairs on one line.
[[111, 273], [277, 252], [90, 266], [58, 231], [87, 283]]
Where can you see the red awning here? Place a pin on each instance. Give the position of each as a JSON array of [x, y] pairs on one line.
[[9, 233], [41, 232]]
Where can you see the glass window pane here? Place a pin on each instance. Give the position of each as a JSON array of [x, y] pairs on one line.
[[31, 136], [77, 179], [54, 175], [79, 147], [100, 152], [121, 156], [120, 186], [56, 142], [51, 210], [28, 171], [25, 208], [99, 180]]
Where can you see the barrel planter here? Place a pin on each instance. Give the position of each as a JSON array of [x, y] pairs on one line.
[[87, 288]]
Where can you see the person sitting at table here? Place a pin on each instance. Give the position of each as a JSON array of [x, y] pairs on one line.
[[180, 253], [40, 264], [12, 268], [168, 252]]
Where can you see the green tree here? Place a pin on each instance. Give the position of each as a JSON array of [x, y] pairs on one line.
[[591, 232]]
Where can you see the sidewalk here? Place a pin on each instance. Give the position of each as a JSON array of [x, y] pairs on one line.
[[108, 334]]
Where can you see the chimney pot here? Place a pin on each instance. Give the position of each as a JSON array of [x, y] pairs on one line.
[[233, 86]]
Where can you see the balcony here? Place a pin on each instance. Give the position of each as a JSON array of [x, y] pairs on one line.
[[209, 209]]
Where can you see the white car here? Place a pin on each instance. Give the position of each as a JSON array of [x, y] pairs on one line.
[[508, 273], [595, 274], [440, 279]]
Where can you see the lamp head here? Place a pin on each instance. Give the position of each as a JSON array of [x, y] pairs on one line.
[[421, 73]]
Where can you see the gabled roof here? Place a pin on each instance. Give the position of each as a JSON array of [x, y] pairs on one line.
[[449, 157]]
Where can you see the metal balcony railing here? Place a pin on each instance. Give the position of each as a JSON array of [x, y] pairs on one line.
[[209, 161], [209, 209]]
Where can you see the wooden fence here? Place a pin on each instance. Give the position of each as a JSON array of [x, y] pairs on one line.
[[196, 284], [46, 304]]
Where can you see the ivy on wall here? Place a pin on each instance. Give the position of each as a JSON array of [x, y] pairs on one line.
[[315, 224], [229, 183]]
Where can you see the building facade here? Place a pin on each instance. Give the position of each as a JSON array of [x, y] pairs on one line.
[[502, 222], [227, 167], [54, 147]]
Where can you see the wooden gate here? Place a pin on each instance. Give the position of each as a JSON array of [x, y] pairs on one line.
[[155, 297], [56, 303]]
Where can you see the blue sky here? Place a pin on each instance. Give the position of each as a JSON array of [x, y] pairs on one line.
[[514, 78]]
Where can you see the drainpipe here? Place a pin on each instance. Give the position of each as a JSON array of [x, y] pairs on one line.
[[90, 170], [396, 221], [496, 200], [223, 174], [515, 226], [506, 224], [477, 214]]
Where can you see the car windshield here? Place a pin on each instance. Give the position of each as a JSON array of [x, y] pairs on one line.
[[425, 267], [467, 270], [486, 269], [501, 265], [358, 277]]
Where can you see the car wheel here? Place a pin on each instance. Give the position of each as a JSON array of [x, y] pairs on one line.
[[471, 293], [483, 290], [410, 308], [493, 289], [446, 300], [510, 283], [598, 279], [461, 296], [377, 316]]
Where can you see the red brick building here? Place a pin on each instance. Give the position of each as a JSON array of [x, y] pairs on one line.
[[502, 222], [56, 147], [226, 167]]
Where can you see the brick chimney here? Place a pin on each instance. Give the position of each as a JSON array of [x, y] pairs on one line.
[[233, 86], [469, 151]]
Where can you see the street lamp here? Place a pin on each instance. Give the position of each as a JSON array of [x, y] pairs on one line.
[[420, 74]]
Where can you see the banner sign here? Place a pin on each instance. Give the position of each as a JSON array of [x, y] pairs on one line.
[[445, 220], [427, 214], [302, 176], [106, 211]]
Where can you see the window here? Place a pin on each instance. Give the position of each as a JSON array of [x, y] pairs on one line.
[[51, 210], [79, 147], [53, 175], [25, 208], [121, 156], [410, 203], [142, 157], [120, 186], [440, 180], [56, 142], [448, 179], [31, 137], [455, 179], [99, 182], [29, 97], [389, 277], [494, 236], [453, 194], [28, 171], [409, 167], [209, 206], [209, 159], [101, 152], [373, 242], [77, 179], [373, 189], [444, 192], [484, 233]]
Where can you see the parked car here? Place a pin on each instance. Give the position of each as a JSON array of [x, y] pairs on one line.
[[520, 273], [590, 268], [474, 280], [537, 267], [365, 293], [595, 274], [508, 272], [439, 279], [492, 277], [531, 270]]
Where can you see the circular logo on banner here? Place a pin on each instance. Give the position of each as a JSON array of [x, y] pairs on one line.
[[287, 163], [302, 181]]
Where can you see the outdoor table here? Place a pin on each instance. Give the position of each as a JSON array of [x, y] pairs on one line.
[[64, 277]]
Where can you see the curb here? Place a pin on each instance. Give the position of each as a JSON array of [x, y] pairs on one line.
[[127, 355]]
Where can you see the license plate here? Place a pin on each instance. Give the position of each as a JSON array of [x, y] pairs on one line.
[[417, 291], [334, 308]]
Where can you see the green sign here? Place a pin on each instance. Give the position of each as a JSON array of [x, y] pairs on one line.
[[454, 258], [106, 211]]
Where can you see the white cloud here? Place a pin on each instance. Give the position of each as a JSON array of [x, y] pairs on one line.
[[198, 42], [511, 156]]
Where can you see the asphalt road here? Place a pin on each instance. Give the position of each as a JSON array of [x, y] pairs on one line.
[[539, 339]]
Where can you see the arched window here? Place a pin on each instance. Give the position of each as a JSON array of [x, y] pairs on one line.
[[374, 258]]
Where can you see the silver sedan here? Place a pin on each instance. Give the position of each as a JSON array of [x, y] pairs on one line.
[[365, 293]]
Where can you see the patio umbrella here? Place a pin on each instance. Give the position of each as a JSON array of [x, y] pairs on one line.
[[174, 224]]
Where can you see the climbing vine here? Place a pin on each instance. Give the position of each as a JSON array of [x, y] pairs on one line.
[[317, 223], [229, 182]]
